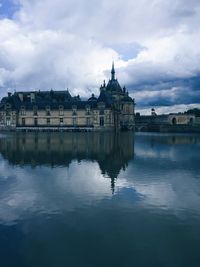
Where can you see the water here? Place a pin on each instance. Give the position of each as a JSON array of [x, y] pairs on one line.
[[99, 199]]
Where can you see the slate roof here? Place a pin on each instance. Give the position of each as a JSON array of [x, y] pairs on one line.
[[106, 98], [114, 86], [53, 99], [13, 100]]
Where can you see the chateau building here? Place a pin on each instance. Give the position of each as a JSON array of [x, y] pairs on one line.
[[58, 110]]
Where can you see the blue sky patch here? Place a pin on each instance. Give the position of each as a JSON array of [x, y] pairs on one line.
[[8, 8], [128, 51]]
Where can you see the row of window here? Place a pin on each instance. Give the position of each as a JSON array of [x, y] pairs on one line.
[[48, 121], [61, 109], [61, 120], [48, 113]]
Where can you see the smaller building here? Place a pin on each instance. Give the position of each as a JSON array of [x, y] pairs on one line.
[[181, 119], [168, 122]]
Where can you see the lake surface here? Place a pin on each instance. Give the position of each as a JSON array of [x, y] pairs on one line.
[[99, 199]]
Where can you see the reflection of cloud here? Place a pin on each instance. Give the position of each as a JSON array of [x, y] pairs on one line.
[[84, 178], [45, 190], [180, 193], [49, 190], [160, 177], [166, 174]]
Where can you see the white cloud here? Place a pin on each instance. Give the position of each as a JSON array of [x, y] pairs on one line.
[[45, 59], [63, 44]]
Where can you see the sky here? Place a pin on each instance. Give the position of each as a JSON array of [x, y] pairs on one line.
[[71, 44]]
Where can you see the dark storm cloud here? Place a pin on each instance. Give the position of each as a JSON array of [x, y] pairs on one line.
[[166, 93]]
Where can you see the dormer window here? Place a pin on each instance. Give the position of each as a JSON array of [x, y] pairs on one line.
[[48, 113], [61, 110], [74, 110]]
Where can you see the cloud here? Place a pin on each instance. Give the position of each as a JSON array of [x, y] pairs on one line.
[[59, 44], [58, 65]]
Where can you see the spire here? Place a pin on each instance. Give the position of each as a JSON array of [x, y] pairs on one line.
[[113, 71], [113, 185]]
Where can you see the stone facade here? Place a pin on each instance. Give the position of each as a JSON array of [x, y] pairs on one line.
[[168, 119], [176, 122], [58, 110], [181, 119]]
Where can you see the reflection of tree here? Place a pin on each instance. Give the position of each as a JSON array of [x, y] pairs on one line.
[[111, 150]]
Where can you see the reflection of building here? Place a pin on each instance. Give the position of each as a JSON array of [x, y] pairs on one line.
[[111, 150], [58, 110]]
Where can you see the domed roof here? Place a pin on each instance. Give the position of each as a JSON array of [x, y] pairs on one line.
[[92, 98], [127, 99]]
